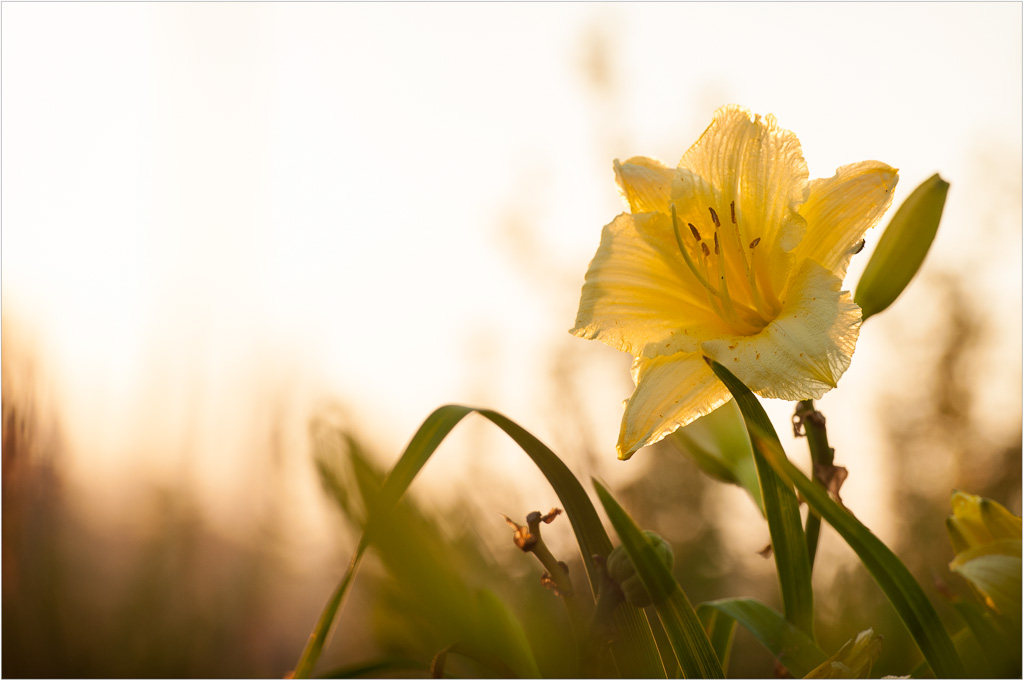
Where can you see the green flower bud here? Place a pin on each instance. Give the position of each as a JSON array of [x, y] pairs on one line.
[[621, 570], [902, 248], [987, 541]]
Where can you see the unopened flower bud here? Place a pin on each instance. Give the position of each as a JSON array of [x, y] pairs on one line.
[[902, 248], [622, 571]]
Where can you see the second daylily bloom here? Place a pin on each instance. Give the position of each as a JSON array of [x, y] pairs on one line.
[[987, 541], [734, 255]]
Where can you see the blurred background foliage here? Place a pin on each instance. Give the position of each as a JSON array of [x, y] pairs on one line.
[[176, 600], [163, 592]]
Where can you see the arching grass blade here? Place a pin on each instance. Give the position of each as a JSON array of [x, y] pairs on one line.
[[690, 642], [634, 650], [794, 649]]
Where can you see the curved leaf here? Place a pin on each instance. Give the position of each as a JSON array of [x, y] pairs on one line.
[[689, 640], [713, 442], [794, 649], [635, 652], [789, 545], [721, 630], [889, 572]]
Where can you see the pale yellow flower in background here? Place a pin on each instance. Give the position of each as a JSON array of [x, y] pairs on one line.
[[987, 541], [733, 255], [853, 660]]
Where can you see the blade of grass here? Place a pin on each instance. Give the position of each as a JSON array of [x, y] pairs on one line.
[[503, 630], [690, 642], [789, 545], [321, 630], [714, 444], [721, 631], [896, 582], [1000, 652], [634, 650], [386, 668], [794, 649]]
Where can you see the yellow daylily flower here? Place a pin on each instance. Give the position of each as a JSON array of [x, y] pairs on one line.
[[987, 541], [733, 255]]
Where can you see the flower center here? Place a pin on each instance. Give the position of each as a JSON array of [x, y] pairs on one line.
[[730, 272]]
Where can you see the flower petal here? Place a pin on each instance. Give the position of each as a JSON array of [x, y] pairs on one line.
[[671, 391], [841, 208], [802, 354], [977, 521], [994, 569], [756, 165], [646, 184], [639, 296]]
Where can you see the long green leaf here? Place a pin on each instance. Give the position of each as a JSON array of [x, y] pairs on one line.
[[384, 668], [789, 544], [713, 443], [721, 631], [436, 587], [635, 652], [999, 650], [899, 586], [794, 649], [501, 629], [689, 640]]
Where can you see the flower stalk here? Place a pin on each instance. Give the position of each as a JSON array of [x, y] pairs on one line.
[[809, 422], [556, 576]]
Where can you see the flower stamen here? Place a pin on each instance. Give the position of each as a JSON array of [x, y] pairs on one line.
[[701, 278], [743, 318], [762, 308]]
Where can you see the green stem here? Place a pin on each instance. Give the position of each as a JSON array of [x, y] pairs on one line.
[[595, 662], [812, 423], [812, 530], [556, 570], [559, 574]]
